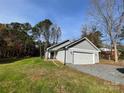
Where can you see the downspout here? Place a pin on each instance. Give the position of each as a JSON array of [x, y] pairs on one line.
[[65, 57]]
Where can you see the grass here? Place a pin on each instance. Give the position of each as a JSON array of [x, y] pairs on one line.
[[111, 62], [33, 75]]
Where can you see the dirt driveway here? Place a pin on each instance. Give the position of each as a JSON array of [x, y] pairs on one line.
[[111, 73]]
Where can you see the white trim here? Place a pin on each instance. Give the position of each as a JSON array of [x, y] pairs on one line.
[[94, 59], [82, 50]]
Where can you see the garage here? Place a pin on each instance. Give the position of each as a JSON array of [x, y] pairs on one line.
[[81, 51], [83, 58]]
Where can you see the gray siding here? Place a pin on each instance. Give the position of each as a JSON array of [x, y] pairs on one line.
[[60, 56], [84, 45], [69, 56], [97, 57]]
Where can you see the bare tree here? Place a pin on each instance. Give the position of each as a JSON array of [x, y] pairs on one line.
[[45, 31], [41, 32], [55, 34], [110, 15], [84, 30], [93, 34]]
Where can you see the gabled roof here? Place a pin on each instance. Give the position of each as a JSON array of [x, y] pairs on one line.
[[92, 44], [58, 44], [80, 40], [67, 44]]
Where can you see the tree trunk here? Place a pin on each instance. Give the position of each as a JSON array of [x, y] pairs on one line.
[[115, 51], [111, 52], [46, 46], [40, 50]]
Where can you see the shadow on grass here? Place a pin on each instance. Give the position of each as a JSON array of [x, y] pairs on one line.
[[10, 60], [121, 70]]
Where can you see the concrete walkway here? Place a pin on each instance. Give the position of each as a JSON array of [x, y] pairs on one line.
[[111, 73]]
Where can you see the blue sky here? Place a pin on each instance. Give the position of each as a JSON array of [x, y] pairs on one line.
[[68, 14]]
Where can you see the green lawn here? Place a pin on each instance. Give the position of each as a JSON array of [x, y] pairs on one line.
[[33, 75]]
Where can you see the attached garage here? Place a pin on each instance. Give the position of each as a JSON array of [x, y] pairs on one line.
[[81, 51]]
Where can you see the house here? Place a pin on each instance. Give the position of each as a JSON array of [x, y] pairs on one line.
[[105, 49], [107, 53], [81, 51]]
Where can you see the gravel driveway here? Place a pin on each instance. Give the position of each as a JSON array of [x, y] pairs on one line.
[[111, 73]]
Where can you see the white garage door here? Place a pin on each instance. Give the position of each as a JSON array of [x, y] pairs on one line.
[[83, 58]]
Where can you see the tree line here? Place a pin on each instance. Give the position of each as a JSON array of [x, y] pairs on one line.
[[22, 39]]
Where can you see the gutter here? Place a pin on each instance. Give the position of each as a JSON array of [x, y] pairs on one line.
[[65, 57]]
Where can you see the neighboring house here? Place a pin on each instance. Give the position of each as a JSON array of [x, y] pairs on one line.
[[81, 51], [105, 49], [107, 53]]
